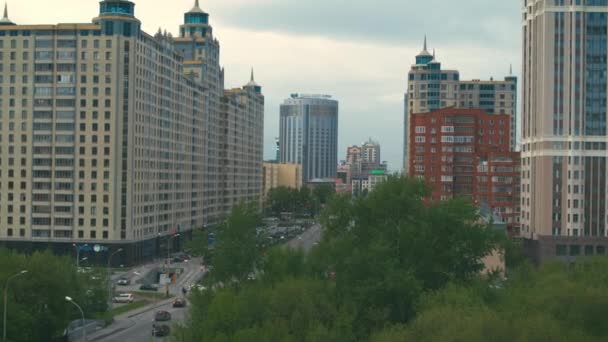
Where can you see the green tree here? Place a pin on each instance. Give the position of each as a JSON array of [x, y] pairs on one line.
[[37, 307], [237, 247]]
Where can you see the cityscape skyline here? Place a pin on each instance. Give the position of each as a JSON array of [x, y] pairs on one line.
[[365, 69]]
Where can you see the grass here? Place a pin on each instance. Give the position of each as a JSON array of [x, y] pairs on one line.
[[129, 307]]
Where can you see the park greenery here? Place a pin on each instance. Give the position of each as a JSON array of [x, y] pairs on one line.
[[394, 267], [301, 202], [36, 306]]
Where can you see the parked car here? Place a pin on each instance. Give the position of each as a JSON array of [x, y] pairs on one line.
[[124, 281], [124, 298], [148, 287], [160, 330], [162, 316], [179, 303]]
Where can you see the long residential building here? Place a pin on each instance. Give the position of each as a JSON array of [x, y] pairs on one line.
[[432, 88], [564, 128], [112, 136]]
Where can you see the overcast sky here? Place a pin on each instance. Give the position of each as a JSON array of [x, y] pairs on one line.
[[358, 51]]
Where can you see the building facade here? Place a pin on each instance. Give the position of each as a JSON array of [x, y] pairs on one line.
[[466, 153], [431, 88], [282, 175], [309, 135], [564, 133], [112, 136]]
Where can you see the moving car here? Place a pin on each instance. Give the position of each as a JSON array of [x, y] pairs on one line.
[[162, 316], [148, 287], [124, 298], [179, 303], [123, 281], [160, 330]]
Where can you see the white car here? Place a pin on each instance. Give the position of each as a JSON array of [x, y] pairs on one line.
[[124, 298]]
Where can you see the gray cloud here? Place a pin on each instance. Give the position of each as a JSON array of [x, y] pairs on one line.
[[386, 21]]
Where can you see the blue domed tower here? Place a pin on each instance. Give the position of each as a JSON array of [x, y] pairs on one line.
[[424, 57], [117, 17], [196, 23]]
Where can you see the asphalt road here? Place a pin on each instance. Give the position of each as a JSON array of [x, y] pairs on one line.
[[308, 239], [137, 326]]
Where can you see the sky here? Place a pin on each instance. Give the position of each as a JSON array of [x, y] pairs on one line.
[[357, 51]]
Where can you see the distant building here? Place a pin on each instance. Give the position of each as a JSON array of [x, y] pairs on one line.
[[309, 134], [361, 163], [466, 153], [431, 88], [282, 175], [362, 185]]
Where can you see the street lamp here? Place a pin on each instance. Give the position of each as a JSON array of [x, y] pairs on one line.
[[84, 330], [110, 277], [6, 297], [78, 253]]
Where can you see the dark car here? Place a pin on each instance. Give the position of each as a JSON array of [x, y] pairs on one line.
[[179, 303], [162, 316], [148, 287], [160, 330]]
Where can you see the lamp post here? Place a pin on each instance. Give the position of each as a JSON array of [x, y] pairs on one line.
[[110, 277], [84, 330], [78, 254], [6, 297]]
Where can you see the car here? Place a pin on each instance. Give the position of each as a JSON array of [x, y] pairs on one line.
[[123, 281], [162, 316], [124, 298], [148, 287], [160, 330], [179, 303]]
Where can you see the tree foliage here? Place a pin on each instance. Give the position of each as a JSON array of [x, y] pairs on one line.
[[37, 309]]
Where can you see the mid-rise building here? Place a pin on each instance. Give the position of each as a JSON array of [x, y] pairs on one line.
[[564, 128], [282, 175], [466, 153], [431, 88], [309, 135], [112, 136]]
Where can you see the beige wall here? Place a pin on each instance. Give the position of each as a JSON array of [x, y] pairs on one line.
[[282, 175]]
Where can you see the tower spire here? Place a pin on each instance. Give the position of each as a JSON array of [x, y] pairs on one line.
[[196, 3], [5, 10], [424, 48], [510, 69], [252, 78]]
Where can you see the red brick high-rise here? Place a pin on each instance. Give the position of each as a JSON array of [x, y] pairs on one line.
[[466, 152]]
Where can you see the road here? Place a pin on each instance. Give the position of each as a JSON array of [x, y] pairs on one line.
[[137, 326], [308, 239]]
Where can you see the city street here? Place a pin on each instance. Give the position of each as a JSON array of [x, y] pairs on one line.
[[307, 240], [136, 326]]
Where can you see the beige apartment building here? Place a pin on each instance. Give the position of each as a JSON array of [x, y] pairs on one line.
[[282, 175], [112, 136], [564, 128], [431, 88]]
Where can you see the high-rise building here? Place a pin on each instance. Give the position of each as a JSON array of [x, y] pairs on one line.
[[112, 136], [431, 88], [564, 127], [466, 152], [309, 135], [370, 152]]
